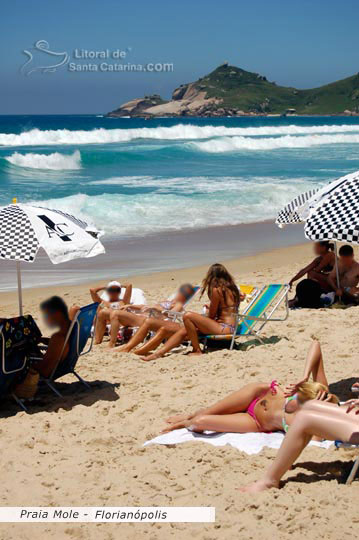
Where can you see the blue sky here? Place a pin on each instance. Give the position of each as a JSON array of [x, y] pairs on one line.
[[301, 43]]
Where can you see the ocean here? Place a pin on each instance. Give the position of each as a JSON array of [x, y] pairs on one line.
[[141, 181]]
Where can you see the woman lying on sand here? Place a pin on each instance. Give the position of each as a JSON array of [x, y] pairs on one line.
[[136, 315], [261, 407], [224, 303], [320, 268], [315, 419]]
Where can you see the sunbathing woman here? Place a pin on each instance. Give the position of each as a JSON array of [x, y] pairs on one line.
[[320, 268], [137, 315], [318, 419], [261, 407], [224, 302]]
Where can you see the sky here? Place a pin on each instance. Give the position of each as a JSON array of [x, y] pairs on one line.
[[301, 43]]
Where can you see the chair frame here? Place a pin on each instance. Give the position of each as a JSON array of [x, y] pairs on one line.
[[354, 470], [243, 317], [50, 380]]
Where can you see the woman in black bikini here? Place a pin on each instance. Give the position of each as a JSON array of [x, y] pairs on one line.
[[320, 268]]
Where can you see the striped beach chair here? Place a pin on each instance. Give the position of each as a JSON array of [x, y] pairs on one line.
[[257, 314]]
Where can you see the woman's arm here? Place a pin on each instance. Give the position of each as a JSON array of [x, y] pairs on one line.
[[214, 305], [128, 293], [304, 271], [94, 294]]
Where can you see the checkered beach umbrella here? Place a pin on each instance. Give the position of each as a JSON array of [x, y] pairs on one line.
[[24, 229], [294, 211], [336, 216]]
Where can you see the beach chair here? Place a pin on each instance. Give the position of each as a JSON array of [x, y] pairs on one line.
[[18, 340], [177, 315], [256, 315], [354, 470], [78, 335]]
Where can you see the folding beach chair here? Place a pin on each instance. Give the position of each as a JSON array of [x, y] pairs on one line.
[[255, 316], [340, 444], [18, 340], [175, 315], [77, 337]]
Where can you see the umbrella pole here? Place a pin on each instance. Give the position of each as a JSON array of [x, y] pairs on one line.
[[336, 264], [19, 288]]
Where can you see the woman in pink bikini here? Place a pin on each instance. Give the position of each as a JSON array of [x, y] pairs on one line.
[[261, 407]]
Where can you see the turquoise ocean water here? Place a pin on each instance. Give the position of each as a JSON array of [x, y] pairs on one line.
[[134, 178]]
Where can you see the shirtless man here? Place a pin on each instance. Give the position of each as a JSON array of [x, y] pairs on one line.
[[107, 309], [348, 269]]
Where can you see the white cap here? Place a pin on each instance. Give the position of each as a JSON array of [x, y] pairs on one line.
[[113, 284]]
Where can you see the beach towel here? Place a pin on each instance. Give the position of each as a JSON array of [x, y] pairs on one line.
[[250, 443]]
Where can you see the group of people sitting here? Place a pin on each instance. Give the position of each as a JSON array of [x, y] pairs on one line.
[[321, 281], [166, 320]]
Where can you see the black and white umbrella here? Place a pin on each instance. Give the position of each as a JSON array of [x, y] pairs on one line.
[[329, 213], [24, 229]]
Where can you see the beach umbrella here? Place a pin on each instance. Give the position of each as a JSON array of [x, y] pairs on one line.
[[329, 213], [24, 229]]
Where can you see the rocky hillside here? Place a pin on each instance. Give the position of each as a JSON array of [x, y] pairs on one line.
[[232, 91]]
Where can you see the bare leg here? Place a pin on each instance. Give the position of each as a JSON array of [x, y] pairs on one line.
[[195, 322], [115, 326], [154, 342], [236, 402], [72, 311], [148, 325], [175, 340], [226, 423], [324, 420], [102, 319], [315, 363]]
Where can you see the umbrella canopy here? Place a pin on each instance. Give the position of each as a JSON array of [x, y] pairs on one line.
[[336, 216], [24, 229]]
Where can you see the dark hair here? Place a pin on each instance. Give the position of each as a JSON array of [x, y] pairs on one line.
[[308, 294], [54, 304], [187, 290], [328, 245], [219, 277], [346, 251]]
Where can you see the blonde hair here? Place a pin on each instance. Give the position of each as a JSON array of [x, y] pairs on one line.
[[310, 390]]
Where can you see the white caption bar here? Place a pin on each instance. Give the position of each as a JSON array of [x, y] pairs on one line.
[[125, 514]]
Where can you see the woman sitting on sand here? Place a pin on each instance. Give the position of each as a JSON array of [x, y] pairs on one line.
[[320, 268], [261, 407], [136, 315], [224, 303]]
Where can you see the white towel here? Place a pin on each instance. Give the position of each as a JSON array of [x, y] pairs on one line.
[[250, 443]]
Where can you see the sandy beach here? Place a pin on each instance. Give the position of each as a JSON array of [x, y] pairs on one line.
[[86, 449]]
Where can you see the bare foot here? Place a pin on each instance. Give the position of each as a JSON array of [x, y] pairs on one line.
[[123, 348], [150, 357], [195, 353], [260, 485]]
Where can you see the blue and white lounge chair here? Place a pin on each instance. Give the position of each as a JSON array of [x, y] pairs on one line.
[[78, 335], [340, 444], [257, 314]]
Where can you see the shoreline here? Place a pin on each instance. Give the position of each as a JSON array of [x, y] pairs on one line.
[[251, 269], [166, 252]]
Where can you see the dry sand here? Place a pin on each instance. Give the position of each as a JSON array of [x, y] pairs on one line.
[[86, 449]]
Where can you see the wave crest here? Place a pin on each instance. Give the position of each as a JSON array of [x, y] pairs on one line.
[[55, 161]]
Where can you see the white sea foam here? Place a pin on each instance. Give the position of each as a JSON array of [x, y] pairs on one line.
[[232, 144], [37, 137], [196, 202], [55, 161]]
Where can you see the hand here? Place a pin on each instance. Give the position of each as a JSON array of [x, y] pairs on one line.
[[293, 388], [290, 285], [352, 404], [339, 292], [323, 396]]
